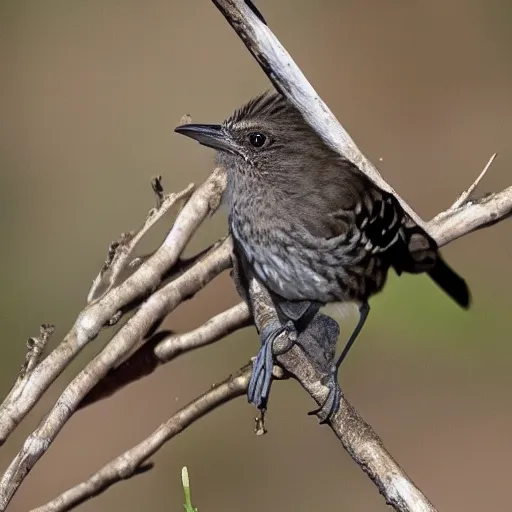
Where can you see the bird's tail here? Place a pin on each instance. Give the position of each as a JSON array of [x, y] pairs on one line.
[[450, 282], [420, 253]]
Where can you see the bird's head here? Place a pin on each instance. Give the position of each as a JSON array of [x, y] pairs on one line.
[[268, 135]]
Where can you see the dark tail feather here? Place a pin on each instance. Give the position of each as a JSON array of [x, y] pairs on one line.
[[451, 283]]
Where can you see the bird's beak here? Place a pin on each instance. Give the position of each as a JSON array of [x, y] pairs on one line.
[[210, 135]]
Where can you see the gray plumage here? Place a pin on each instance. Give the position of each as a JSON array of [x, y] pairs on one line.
[[305, 220], [308, 222]]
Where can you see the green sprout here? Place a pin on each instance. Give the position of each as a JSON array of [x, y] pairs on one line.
[[186, 488]]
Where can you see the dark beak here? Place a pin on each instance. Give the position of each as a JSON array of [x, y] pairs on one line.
[[210, 135]]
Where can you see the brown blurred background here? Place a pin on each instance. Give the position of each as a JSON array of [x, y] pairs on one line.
[[90, 94]]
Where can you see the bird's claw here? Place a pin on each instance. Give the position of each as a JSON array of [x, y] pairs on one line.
[[332, 403], [261, 377]]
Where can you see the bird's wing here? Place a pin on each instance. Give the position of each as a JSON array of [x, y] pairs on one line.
[[358, 211]]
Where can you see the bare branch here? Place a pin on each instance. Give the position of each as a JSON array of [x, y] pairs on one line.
[[109, 301], [126, 465], [465, 195], [35, 349], [164, 346], [287, 78], [452, 224], [160, 304], [120, 251], [215, 329], [357, 437], [144, 280], [139, 364]]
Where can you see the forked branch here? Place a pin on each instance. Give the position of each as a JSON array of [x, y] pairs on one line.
[[136, 349]]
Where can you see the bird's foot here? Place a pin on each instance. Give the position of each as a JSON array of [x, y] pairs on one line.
[[332, 403], [333, 400], [261, 378]]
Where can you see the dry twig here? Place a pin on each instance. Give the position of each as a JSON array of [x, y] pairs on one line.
[[129, 463], [144, 287], [467, 193], [213, 330], [157, 306], [164, 346], [143, 281]]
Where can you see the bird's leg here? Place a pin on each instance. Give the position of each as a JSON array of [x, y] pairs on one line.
[[299, 312], [294, 317], [364, 309], [261, 377], [332, 402]]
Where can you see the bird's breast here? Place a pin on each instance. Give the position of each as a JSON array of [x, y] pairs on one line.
[[318, 270]]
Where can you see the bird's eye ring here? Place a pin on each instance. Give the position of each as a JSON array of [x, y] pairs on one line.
[[257, 139]]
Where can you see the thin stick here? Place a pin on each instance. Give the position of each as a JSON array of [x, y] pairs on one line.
[[287, 78], [357, 436], [165, 346], [119, 254], [161, 303], [28, 390], [126, 465], [215, 329], [465, 195]]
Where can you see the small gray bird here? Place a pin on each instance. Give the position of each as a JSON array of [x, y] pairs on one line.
[[311, 226]]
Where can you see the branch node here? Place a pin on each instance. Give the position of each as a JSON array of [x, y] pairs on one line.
[[115, 318], [259, 423], [116, 253], [158, 189], [35, 349], [306, 361], [464, 198], [143, 468]]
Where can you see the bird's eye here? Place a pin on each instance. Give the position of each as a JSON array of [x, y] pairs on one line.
[[257, 139]]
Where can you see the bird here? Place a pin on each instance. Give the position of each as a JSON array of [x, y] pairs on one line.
[[311, 226]]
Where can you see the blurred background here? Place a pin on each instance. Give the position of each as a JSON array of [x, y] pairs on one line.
[[90, 94]]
